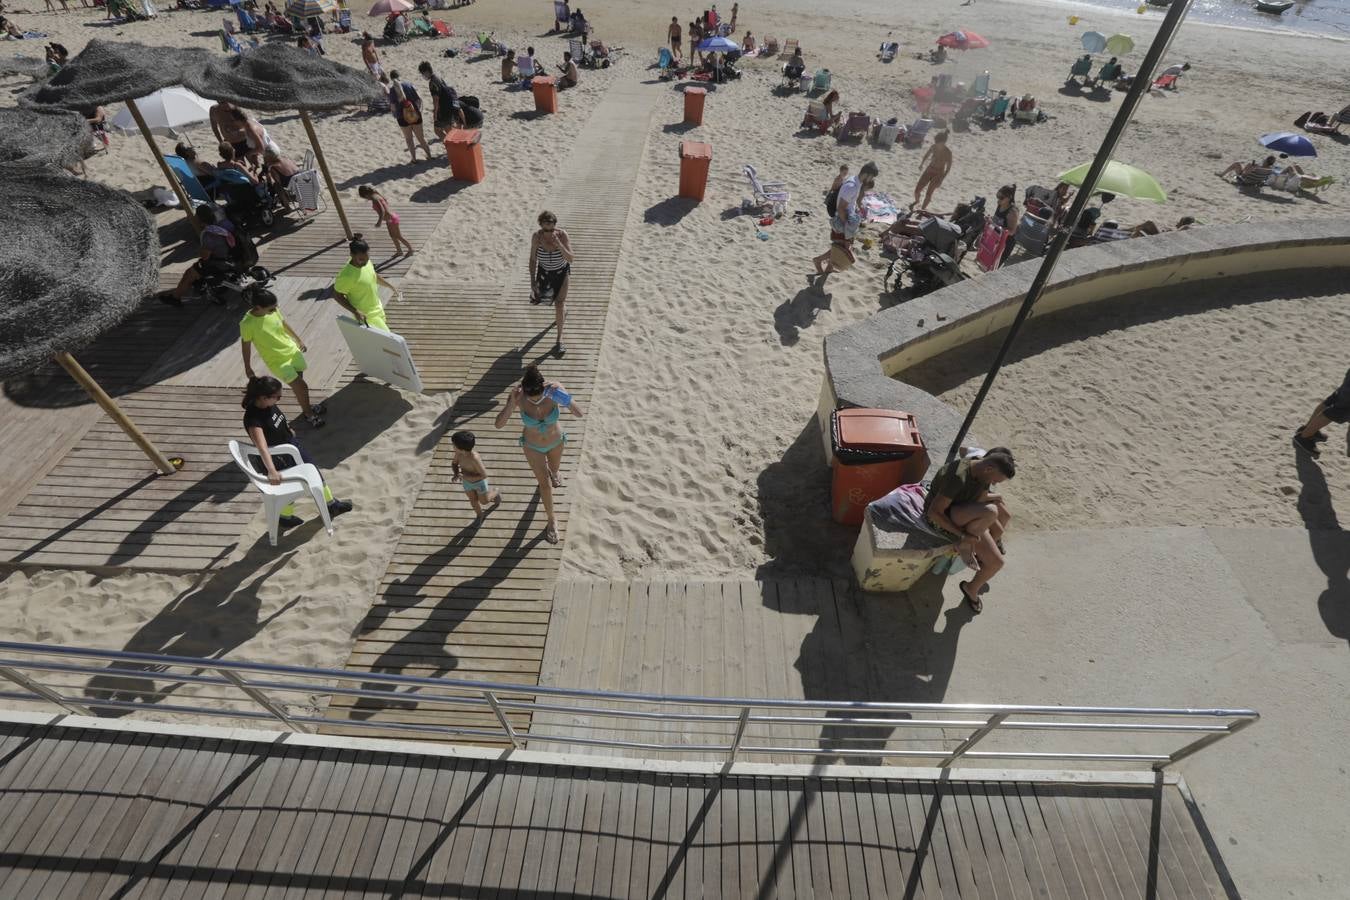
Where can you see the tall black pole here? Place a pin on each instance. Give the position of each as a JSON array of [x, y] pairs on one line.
[[1138, 87]]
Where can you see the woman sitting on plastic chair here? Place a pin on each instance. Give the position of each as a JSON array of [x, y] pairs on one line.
[[267, 427]]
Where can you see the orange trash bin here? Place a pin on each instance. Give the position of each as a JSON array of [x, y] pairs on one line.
[[695, 159], [545, 94], [875, 451], [465, 153], [693, 104]]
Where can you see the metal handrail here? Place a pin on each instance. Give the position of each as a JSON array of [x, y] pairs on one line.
[[749, 726]]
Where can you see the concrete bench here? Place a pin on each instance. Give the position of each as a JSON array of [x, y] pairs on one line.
[[886, 560]]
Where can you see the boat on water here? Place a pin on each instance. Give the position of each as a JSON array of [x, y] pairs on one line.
[[1273, 7]]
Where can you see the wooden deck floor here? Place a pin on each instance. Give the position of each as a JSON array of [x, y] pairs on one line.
[[97, 501], [312, 247], [93, 813], [473, 601]]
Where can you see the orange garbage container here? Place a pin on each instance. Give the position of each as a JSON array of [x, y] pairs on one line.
[[875, 451], [693, 104], [465, 153], [545, 94], [695, 159]]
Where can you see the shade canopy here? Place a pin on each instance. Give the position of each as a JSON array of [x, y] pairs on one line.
[[385, 7], [1119, 44], [32, 139], [1288, 142], [278, 77], [79, 258], [718, 44], [963, 40], [1093, 41], [305, 9], [166, 111], [108, 72], [1120, 179]]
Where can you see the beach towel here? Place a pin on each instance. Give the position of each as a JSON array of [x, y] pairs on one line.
[[902, 510], [880, 208]]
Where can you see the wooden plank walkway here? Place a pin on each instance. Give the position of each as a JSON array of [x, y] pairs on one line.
[[312, 247], [473, 600], [98, 813]]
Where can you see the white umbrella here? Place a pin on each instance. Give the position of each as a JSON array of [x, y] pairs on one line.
[[166, 111]]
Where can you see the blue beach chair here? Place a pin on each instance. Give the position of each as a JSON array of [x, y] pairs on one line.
[[192, 186]]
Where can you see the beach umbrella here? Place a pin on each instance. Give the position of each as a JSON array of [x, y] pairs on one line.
[[1287, 142], [79, 258], [1093, 41], [306, 9], [34, 139], [166, 111], [1119, 44], [718, 45], [278, 77], [1119, 179], [386, 7], [963, 40], [107, 72]]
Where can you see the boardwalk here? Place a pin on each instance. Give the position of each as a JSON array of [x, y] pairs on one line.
[[97, 501], [95, 813], [475, 601]]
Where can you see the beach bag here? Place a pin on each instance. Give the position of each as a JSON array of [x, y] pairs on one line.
[[831, 201], [407, 113]]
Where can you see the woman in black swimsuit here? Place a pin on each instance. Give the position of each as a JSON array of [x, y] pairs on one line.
[[1005, 217]]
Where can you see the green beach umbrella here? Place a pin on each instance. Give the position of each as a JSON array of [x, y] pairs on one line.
[[1120, 179], [1119, 44]]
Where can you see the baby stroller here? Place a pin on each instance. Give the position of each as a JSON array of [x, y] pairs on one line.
[[249, 206]]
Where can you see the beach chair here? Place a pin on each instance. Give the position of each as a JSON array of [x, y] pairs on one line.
[[820, 82], [1319, 123], [887, 135], [888, 51], [1164, 83], [228, 25], [793, 77], [917, 133], [768, 193], [1109, 73], [525, 68], [303, 192], [192, 186], [769, 47], [992, 241], [297, 481], [442, 28], [1082, 68], [980, 88], [344, 22], [789, 47], [422, 28], [1026, 110], [996, 112], [1033, 231], [562, 16], [854, 128], [599, 55], [279, 25], [817, 118]]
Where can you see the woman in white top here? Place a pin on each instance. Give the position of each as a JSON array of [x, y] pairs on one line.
[[550, 266]]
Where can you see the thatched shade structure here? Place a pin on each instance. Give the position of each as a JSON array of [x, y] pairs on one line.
[[114, 71], [33, 139], [278, 77], [79, 259]]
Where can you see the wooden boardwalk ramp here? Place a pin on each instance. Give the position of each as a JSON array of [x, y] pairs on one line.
[[93, 810], [473, 601]]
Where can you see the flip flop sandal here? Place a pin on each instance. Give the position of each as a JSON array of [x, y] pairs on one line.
[[551, 534], [975, 603]]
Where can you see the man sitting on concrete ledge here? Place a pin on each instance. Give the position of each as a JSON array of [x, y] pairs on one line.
[[960, 503]]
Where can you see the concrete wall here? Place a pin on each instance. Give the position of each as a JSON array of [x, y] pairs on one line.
[[862, 360]]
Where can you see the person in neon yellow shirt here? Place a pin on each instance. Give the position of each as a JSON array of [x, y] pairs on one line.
[[357, 287], [280, 348]]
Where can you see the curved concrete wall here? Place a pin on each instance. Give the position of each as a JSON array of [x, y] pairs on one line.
[[862, 360]]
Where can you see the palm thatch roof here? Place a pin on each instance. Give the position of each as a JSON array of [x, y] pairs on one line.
[[278, 77], [113, 71], [79, 258], [31, 139]]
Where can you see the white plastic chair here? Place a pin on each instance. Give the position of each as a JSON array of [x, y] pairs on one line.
[[887, 135], [773, 193], [308, 163], [296, 481]]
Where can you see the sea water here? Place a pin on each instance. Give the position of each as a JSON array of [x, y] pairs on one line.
[[1316, 16]]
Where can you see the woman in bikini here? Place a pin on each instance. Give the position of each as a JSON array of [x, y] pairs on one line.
[[937, 162], [385, 216], [550, 271], [540, 403]]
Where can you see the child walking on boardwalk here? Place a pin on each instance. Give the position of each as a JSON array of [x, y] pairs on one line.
[[468, 464], [385, 216]]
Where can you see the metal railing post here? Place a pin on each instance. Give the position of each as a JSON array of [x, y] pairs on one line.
[[50, 696], [491, 698], [741, 723], [1196, 746], [978, 735], [261, 699]]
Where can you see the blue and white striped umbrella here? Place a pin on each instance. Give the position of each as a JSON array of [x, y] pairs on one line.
[[304, 9]]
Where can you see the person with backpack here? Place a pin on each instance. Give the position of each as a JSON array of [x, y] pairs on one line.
[[406, 106], [844, 205], [443, 99]]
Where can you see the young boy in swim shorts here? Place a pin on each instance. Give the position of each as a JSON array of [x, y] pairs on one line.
[[281, 350], [468, 464]]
